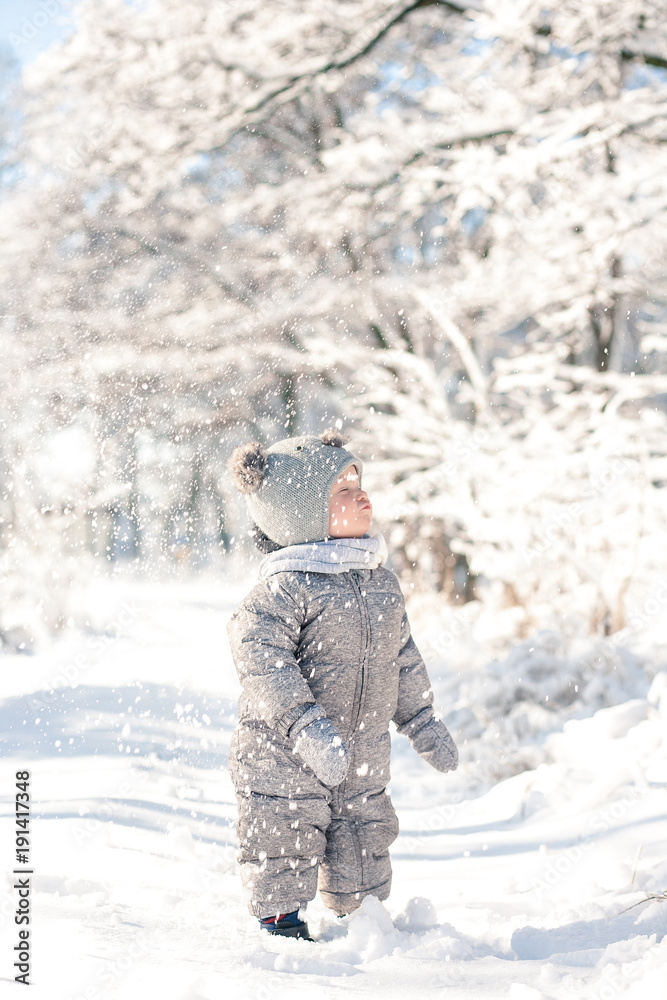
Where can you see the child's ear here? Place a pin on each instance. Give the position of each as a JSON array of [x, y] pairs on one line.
[[248, 464], [334, 437]]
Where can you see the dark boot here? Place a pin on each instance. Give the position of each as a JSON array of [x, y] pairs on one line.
[[287, 925]]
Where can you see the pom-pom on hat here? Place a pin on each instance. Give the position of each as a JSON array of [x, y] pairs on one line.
[[288, 486]]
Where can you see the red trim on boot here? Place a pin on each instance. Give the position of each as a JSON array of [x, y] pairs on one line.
[[275, 919]]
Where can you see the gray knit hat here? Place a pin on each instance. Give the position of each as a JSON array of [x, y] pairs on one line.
[[288, 486]]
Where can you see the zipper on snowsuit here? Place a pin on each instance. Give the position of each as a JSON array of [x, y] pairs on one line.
[[365, 624]]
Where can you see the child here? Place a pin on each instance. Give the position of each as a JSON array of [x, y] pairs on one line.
[[323, 650]]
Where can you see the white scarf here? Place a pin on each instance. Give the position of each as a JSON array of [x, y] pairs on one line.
[[336, 555]]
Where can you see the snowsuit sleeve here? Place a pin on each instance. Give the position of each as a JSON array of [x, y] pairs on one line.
[[264, 637], [414, 716]]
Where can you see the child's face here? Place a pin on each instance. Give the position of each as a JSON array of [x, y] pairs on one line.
[[350, 510]]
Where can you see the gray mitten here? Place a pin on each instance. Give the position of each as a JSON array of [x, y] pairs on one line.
[[320, 746], [432, 741]]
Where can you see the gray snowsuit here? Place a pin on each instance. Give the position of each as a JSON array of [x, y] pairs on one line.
[[342, 641]]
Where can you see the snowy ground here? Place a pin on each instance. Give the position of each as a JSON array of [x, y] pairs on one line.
[[509, 888]]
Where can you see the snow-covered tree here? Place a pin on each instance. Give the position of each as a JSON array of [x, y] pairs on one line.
[[550, 502], [209, 194]]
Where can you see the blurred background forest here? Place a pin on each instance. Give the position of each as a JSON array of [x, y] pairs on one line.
[[442, 227]]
